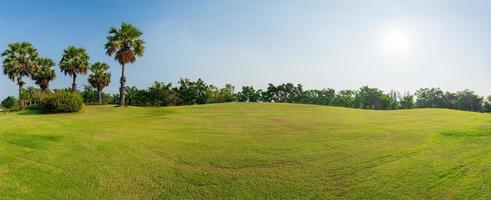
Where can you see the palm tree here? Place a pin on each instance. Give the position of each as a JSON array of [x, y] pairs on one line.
[[125, 43], [20, 60], [74, 61], [100, 77], [45, 73]]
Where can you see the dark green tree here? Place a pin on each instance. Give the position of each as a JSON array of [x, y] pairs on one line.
[[162, 94], [407, 101], [346, 98], [468, 100], [194, 92], [10, 102], [318, 97], [373, 98], [430, 98], [248, 94]]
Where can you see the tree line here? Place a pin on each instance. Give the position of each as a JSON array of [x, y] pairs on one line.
[[189, 92], [368, 98]]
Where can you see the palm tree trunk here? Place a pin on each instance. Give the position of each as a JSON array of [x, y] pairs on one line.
[[20, 83], [74, 84], [44, 85], [100, 96], [121, 88]]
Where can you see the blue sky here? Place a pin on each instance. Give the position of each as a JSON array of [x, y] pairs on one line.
[[343, 44]]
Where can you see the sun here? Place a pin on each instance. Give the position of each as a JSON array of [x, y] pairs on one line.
[[395, 40]]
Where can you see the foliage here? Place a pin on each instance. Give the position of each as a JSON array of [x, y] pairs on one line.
[[436, 98], [282, 93], [31, 95], [45, 73], [193, 92], [430, 98], [135, 96], [407, 101], [373, 98], [91, 96], [486, 106], [20, 60], [61, 102], [270, 94], [248, 94], [159, 94], [10, 102], [468, 100], [74, 61], [36, 107], [318, 97], [162, 94], [186, 93], [125, 43], [100, 78], [222, 95], [346, 98]]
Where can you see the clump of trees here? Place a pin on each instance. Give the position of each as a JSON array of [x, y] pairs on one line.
[[461, 100], [187, 92], [21, 60], [221, 95]]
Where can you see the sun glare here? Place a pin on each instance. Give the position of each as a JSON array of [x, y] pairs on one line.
[[395, 40]]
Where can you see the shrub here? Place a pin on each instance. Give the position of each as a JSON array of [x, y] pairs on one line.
[[61, 102], [10, 103], [34, 107]]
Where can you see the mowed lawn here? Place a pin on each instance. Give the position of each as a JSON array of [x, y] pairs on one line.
[[247, 151]]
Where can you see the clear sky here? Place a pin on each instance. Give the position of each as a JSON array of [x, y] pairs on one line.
[[342, 44]]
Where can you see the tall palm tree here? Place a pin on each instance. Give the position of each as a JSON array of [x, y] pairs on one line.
[[125, 43], [100, 77], [20, 60], [74, 61], [45, 73]]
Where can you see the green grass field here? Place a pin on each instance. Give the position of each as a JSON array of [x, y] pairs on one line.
[[245, 150]]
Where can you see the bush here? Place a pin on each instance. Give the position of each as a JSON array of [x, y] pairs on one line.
[[61, 102], [10, 103], [34, 107]]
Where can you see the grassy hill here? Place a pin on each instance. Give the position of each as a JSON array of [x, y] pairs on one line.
[[246, 150]]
